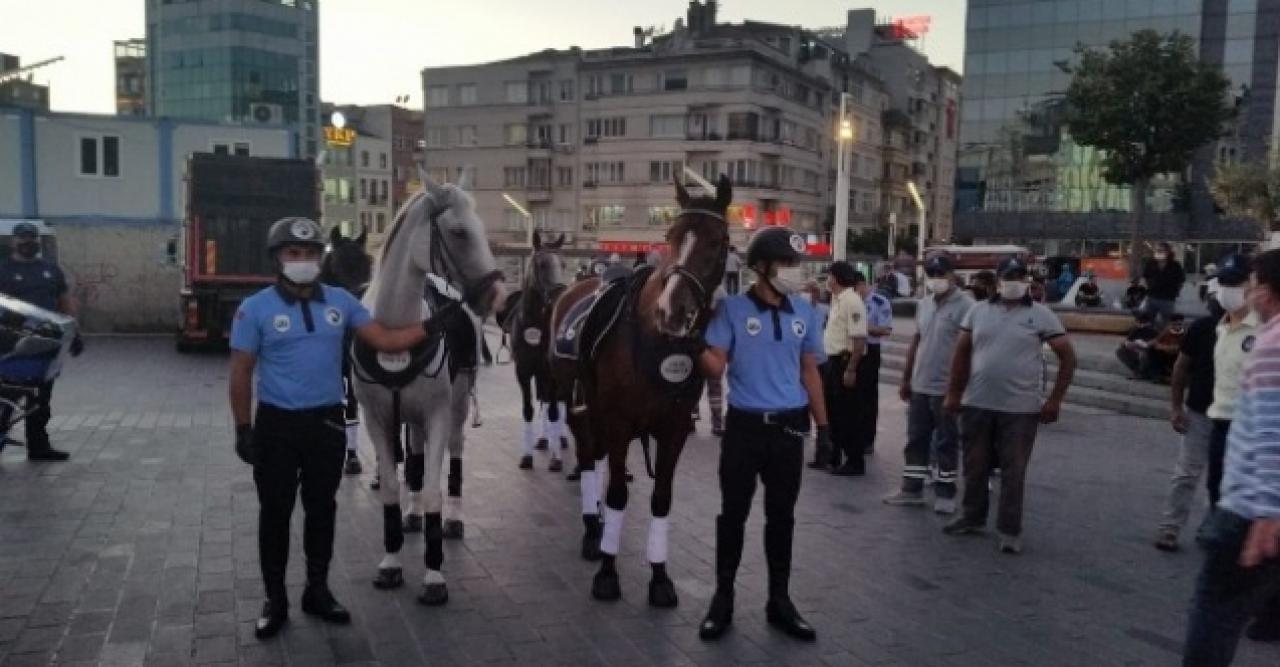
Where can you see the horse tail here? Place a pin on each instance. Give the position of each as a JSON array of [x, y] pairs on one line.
[[648, 461]]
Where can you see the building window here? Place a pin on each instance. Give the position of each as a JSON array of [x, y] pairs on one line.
[[467, 94], [467, 135], [744, 126], [364, 190], [514, 176], [517, 92], [382, 223], [566, 90], [606, 172], [595, 85], [667, 126], [382, 160], [100, 156], [620, 84], [564, 134], [240, 148], [383, 199], [675, 79], [564, 176], [435, 137], [665, 172], [437, 96], [609, 216], [516, 134], [607, 127], [661, 216], [364, 158]]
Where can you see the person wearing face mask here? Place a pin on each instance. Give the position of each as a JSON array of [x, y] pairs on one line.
[[292, 335], [924, 383], [27, 276], [1241, 538], [1164, 277], [1236, 333], [982, 285], [771, 345], [1191, 391], [994, 387], [844, 341]]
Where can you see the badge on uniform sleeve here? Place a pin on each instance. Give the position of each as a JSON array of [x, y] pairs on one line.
[[798, 328], [333, 316], [753, 326], [281, 323]]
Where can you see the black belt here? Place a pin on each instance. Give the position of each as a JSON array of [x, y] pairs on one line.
[[322, 411], [771, 417]]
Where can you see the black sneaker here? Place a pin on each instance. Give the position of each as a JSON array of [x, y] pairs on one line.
[[719, 617], [271, 619], [47, 454], [318, 601], [782, 614]]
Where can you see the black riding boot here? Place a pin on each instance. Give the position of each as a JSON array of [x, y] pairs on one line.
[[275, 610], [318, 600], [729, 537], [780, 612]]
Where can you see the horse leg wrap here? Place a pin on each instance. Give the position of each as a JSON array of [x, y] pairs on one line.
[[529, 438], [612, 530], [555, 431], [453, 508], [392, 532], [546, 421], [590, 492], [415, 502], [656, 550], [415, 469], [455, 477], [353, 437], [433, 531]]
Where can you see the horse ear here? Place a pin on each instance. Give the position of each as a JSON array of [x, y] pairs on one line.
[[364, 235], [682, 195], [464, 179], [432, 188], [537, 240], [724, 193], [335, 235], [559, 241]]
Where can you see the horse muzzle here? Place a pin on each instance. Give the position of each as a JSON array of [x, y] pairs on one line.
[[488, 294]]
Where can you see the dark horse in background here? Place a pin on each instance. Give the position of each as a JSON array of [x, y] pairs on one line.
[[530, 341], [642, 379], [347, 264]]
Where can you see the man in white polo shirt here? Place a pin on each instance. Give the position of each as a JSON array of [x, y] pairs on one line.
[[1236, 335], [844, 341]]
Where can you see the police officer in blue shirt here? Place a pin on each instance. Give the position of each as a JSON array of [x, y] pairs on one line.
[[772, 394], [27, 276], [292, 334]]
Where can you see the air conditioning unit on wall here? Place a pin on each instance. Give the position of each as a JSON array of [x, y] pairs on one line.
[[266, 114]]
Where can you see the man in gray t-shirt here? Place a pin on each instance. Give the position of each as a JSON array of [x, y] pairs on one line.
[[995, 389], [939, 316]]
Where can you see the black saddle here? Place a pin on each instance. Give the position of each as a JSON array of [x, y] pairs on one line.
[[591, 319], [397, 371]]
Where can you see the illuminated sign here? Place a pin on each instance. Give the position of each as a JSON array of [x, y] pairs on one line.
[[749, 215], [621, 247], [339, 136], [911, 27]]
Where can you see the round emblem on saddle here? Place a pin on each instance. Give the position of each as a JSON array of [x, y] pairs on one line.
[[798, 244], [533, 336], [753, 326], [676, 368], [303, 230], [333, 316], [280, 323], [393, 362]]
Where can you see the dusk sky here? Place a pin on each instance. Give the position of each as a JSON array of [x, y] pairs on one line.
[[373, 50]]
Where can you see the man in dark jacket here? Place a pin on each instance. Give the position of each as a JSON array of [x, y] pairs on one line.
[[1164, 277]]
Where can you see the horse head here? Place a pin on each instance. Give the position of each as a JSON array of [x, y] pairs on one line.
[[458, 248], [699, 242], [346, 263], [546, 268]]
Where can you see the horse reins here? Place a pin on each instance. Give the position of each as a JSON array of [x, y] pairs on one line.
[[442, 259], [678, 269]]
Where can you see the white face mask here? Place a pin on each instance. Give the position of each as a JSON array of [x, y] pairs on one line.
[[1231, 298], [301, 273], [1012, 290], [787, 279], [938, 285]]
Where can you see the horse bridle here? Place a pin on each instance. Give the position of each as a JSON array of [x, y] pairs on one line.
[[547, 292], [678, 269], [442, 258]]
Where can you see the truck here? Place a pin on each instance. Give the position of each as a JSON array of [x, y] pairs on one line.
[[231, 202]]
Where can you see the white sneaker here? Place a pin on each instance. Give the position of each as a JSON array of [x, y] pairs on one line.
[[944, 505], [1010, 544]]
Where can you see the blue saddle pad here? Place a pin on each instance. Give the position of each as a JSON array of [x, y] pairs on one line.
[[570, 330]]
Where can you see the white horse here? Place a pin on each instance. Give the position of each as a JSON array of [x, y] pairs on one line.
[[436, 231]]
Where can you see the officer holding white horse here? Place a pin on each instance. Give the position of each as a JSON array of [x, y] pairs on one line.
[[292, 334]]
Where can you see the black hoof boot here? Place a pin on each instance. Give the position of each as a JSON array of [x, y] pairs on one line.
[[630, 477], [388, 578], [719, 617], [353, 466], [541, 445], [434, 595], [273, 617], [564, 444], [413, 523], [526, 463], [376, 483], [662, 591], [605, 586], [555, 466], [453, 529], [591, 537]]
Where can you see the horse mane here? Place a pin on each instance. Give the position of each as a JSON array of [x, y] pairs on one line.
[[398, 220]]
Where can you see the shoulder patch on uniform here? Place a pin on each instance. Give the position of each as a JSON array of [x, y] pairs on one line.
[[754, 327], [333, 316], [798, 327], [281, 323]]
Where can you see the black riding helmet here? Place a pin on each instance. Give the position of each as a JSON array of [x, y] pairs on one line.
[[294, 231], [775, 244]]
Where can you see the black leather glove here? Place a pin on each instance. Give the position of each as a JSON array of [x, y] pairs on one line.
[[245, 448], [823, 439], [446, 318], [77, 346]]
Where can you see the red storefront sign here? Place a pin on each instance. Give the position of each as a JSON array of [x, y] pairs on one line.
[[750, 216], [623, 247]]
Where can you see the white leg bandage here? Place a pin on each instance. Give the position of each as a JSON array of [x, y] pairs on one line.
[[657, 547], [612, 530], [546, 421], [453, 508], [590, 492], [353, 437], [389, 561], [529, 439], [553, 439], [415, 502], [433, 577]]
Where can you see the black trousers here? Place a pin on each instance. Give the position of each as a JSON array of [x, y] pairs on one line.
[[1217, 459], [37, 423], [297, 448], [773, 453], [840, 411], [866, 401]]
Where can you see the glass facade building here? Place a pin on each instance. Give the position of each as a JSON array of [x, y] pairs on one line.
[[1020, 174], [241, 61]]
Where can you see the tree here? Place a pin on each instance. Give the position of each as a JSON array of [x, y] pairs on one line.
[[1249, 190], [874, 241], [1148, 103]]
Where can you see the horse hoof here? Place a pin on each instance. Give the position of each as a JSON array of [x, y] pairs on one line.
[[605, 586], [453, 529], [353, 467], [662, 594], [434, 595], [388, 578], [555, 465], [541, 445], [630, 477], [591, 548], [526, 463], [376, 483], [413, 523]]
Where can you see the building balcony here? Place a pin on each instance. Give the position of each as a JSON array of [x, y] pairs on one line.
[[537, 194]]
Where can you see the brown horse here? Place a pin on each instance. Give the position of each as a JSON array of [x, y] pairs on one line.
[[642, 378]]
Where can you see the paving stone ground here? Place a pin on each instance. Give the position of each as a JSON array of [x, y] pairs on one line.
[[142, 551]]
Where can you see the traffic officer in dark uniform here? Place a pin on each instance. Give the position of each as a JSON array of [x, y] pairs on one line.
[[771, 397], [26, 276], [292, 334]]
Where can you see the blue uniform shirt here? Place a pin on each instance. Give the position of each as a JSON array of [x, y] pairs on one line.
[[764, 346], [879, 314], [38, 282], [298, 344]]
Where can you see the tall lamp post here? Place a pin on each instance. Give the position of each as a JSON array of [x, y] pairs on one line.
[[840, 230], [920, 218]]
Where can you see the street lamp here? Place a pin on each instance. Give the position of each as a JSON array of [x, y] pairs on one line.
[[845, 135], [920, 213], [527, 216]]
